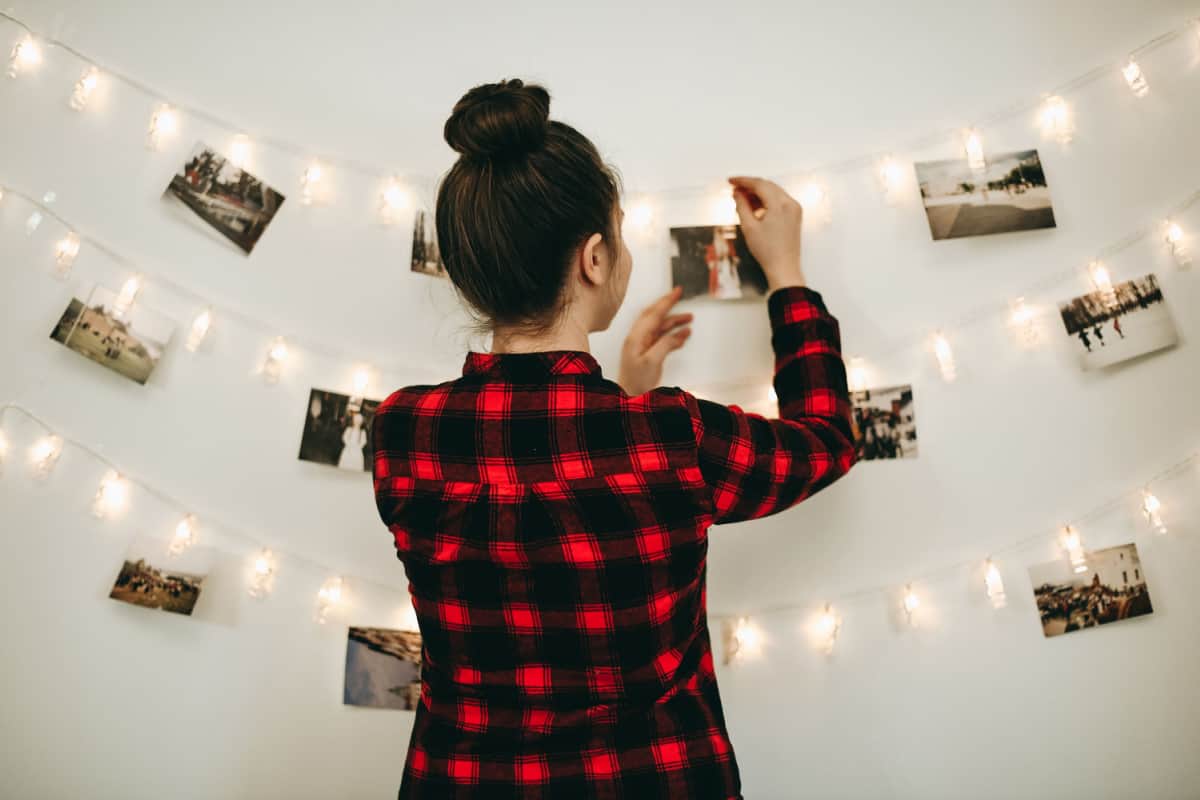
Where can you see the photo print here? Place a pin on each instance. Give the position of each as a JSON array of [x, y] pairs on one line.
[[153, 578], [236, 204], [337, 431], [885, 426], [127, 338], [1110, 587], [426, 258], [1108, 327], [713, 261], [383, 669], [1009, 194]]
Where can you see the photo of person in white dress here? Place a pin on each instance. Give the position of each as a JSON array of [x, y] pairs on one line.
[[337, 431], [713, 261]]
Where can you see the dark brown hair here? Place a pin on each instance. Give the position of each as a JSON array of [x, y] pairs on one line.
[[525, 193]]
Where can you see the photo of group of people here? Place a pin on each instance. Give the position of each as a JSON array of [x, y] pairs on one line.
[[1009, 194], [147, 579], [1110, 587], [885, 425], [1114, 326], [426, 257], [383, 669], [234, 202], [714, 261], [337, 430], [128, 339]]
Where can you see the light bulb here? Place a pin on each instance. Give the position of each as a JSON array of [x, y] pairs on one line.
[[1024, 320], [745, 640], [856, 375], [1135, 79], [239, 151], [3, 451], [1102, 280], [81, 95], [25, 55], [640, 215], [361, 381], [973, 144], [911, 604], [65, 252], [827, 629], [129, 293], [995, 585], [1152, 509], [310, 183], [945, 357], [276, 355], [1056, 120], [395, 200], [891, 174], [1177, 243], [262, 575], [328, 597], [33, 222], [164, 122], [44, 455], [1074, 548], [112, 496], [724, 209], [200, 327], [185, 535]]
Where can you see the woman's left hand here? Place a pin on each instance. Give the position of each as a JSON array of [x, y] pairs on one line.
[[654, 334]]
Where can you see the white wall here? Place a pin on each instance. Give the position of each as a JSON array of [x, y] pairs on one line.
[[104, 700]]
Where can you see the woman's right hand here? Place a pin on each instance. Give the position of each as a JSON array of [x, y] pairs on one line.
[[771, 222]]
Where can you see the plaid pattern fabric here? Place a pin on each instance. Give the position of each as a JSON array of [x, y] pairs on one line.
[[554, 532]]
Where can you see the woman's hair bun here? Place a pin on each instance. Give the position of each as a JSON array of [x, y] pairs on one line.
[[499, 120]]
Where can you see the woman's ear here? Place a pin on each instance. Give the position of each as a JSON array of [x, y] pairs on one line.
[[594, 263]]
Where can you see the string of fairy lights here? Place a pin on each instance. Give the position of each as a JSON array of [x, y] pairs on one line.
[[396, 199]]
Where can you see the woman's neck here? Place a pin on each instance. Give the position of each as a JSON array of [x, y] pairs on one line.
[[563, 336]]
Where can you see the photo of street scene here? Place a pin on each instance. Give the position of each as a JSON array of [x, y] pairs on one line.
[[1111, 587], [383, 668], [129, 343], [1111, 326], [885, 425], [1009, 194]]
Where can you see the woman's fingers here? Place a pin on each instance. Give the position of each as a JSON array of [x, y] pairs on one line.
[[674, 321]]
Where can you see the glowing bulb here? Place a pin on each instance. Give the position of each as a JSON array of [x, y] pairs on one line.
[[911, 604], [743, 641], [857, 375], [239, 151], [1102, 280], [973, 144], [395, 200], [892, 176], [44, 455], [262, 576], [164, 122], [1152, 508], [1056, 120], [640, 215], [25, 55], [1177, 243], [276, 355], [185, 535], [328, 597], [200, 327], [994, 584], [65, 252], [129, 293], [3, 450], [1135, 79], [310, 183], [1024, 320], [945, 357], [1074, 548], [33, 222], [408, 618], [112, 496], [724, 209], [827, 629], [361, 381], [81, 95]]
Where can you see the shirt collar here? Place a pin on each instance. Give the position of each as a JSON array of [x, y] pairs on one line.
[[531, 365]]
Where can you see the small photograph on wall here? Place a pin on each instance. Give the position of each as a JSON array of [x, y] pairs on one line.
[[1009, 194], [236, 204], [337, 431], [383, 669], [713, 261], [885, 425], [1108, 586], [1111, 326], [152, 577], [426, 258], [116, 332]]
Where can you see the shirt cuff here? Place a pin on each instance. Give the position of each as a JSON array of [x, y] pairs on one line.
[[793, 304]]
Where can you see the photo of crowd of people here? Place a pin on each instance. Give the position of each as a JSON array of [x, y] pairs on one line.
[[714, 261], [426, 258], [146, 580], [1009, 194], [1110, 587], [1114, 326], [128, 342], [337, 430], [231, 200], [885, 425], [383, 669]]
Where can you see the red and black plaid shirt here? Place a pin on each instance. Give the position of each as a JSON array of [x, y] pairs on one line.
[[554, 533]]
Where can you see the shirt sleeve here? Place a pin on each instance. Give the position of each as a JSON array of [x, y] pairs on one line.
[[757, 466]]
